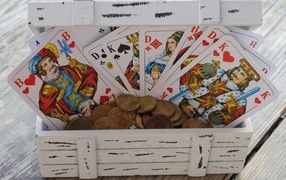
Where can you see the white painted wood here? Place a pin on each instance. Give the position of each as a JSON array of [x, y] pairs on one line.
[[129, 12], [199, 155], [86, 155], [146, 152], [58, 157], [167, 138], [209, 12], [225, 167], [228, 154], [82, 13], [133, 169], [59, 170], [142, 155]]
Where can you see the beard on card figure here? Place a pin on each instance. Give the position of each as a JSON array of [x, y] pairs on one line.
[[66, 90], [217, 95]]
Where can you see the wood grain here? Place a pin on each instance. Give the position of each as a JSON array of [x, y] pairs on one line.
[[18, 155]]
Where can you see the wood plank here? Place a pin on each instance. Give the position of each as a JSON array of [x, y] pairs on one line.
[[109, 13], [269, 161], [273, 48]]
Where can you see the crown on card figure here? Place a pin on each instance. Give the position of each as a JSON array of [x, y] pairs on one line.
[[249, 70], [156, 68], [133, 38]]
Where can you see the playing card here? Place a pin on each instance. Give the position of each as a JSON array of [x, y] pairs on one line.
[[58, 82], [209, 37], [266, 65], [157, 45], [105, 63], [223, 86], [37, 39], [191, 34], [123, 50], [250, 38], [85, 34]]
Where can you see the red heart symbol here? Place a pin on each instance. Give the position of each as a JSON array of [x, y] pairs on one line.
[[257, 100], [215, 53], [103, 99], [26, 90], [205, 43], [227, 57], [72, 44], [170, 89], [30, 80], [107, 90]]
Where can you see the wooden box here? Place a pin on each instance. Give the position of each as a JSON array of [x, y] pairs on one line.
[[192, 152]]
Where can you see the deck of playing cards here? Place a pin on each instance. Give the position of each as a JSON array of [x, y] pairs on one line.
[[212, 73]]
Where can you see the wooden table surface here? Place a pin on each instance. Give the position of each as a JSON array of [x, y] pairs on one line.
[[18, 153]]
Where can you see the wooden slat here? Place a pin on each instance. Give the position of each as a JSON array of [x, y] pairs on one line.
[[129, 12], [273, 48], [269, 161], [142, 155]]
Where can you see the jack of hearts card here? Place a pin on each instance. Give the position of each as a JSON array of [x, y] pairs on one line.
[[223, 86], [58, 82]]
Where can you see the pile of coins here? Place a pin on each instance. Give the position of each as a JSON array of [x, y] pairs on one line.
[[128, 111]]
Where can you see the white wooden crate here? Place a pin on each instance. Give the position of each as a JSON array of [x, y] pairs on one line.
[[50, 13], [192, 152]]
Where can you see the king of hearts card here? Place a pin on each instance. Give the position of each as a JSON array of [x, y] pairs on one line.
[[222, 86]]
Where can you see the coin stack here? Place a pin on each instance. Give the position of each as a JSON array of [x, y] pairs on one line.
[[143, 112]]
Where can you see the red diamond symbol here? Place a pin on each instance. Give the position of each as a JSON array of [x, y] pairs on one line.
[[190, 38], [148, 48], [156, 43]]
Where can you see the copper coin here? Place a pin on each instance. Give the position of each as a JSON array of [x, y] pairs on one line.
[[177, 115], [147, 103], [138, 120], [90, 119], [146, 117], [79, 124], [101, 111], [195, 123], [183, 118], [123, 119], [112, 103], [164, 107], [105, 123], [127, 102], [159, 121]]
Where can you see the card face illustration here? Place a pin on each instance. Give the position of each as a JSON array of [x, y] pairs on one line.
[[123, 50], [105, 63], [157, 45], [208, 38], [58, 82], [191, 34], [222, 86]]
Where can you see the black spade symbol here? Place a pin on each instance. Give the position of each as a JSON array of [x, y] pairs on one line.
[[123, 48]]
